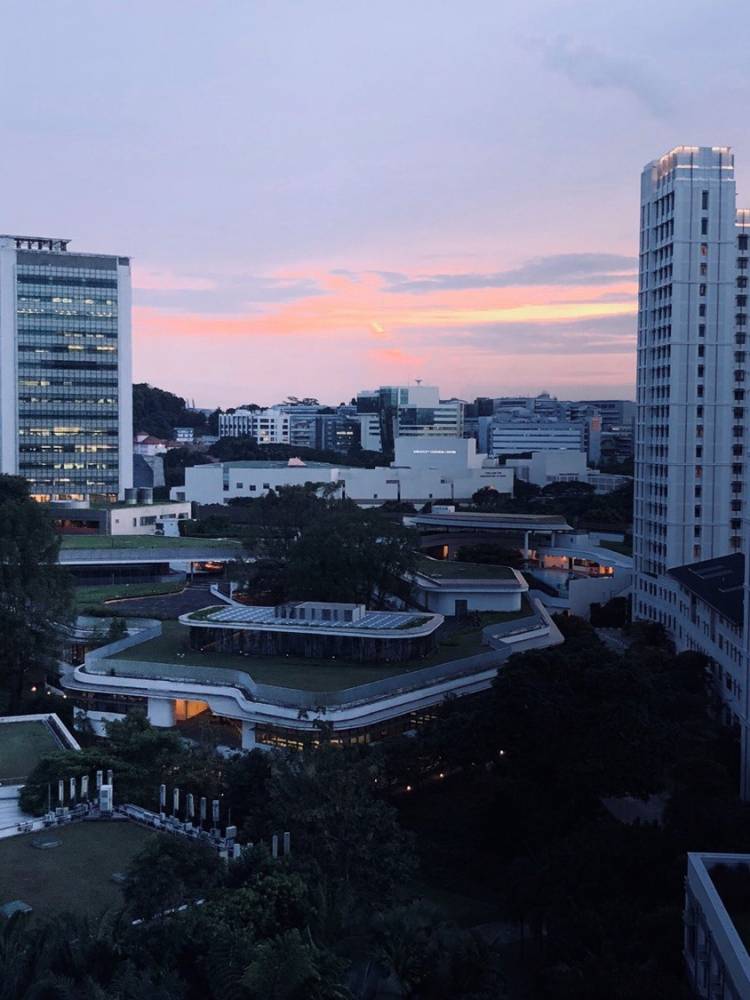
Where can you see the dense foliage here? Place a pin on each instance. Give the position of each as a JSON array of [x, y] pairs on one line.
[[158, 412], [508, 800], [35, 593], [575, 501]]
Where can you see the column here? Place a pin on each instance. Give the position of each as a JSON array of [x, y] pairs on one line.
[[161, 712], [248, 735]]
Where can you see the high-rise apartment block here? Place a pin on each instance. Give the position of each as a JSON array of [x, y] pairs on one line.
[[65, 369], [692, 328], [691, 495]]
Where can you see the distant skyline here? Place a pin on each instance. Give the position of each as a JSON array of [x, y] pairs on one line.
[[321, 197]]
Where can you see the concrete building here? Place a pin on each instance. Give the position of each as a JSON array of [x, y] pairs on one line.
[[691, 447], [545, 467], [423, 469], [274, 708], [454, 589], [715, 926], [411, 411], [66, 420], [690, 434], [516, 436], [136, 517], [268, 426]]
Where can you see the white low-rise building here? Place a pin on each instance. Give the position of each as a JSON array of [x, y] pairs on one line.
[[563, 466], [423, 469], [269, 426], [452, 588]]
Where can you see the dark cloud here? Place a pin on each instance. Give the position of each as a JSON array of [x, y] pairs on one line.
[[590, 67], [557, 269]]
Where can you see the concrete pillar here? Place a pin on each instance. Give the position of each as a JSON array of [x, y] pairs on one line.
[[161, 712], [248, 735], [526, 546]]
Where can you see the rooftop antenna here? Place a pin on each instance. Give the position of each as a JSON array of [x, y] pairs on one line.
[[418, 381]]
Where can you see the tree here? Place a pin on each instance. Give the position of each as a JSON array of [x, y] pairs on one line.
[[167, 872], [158, 412], [35, 592], [369, 554], [328, 798]]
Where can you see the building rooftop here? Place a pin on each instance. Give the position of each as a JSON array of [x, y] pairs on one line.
[[37, 242], [274, 618], [717, 582], [475, 519], [288, 464], [451, 569]]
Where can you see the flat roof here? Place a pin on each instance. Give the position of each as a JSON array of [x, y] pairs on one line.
[[717, 582], [451, 569], [270, 464], [265, 618], [474, 519]]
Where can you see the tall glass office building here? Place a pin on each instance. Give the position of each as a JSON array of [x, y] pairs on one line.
[[65, 369]]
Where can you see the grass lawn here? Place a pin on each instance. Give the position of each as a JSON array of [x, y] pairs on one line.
[[86, 597], [309, 674], [75, 877], [452, 569], [22, 744], [146, 542]]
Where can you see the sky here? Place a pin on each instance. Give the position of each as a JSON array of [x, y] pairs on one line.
[[321, 196]]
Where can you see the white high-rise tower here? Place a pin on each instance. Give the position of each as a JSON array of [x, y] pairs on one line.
[[692, 316]]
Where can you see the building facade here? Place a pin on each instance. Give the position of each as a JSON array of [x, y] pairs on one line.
[[692, 316], [411, 411], [66, 411], [269, 426]]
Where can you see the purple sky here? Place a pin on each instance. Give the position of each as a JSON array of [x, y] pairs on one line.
[[324, 196]]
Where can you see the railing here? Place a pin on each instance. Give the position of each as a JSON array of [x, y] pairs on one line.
[[101, 662]]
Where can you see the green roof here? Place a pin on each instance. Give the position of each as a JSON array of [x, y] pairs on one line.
[[451, 569], [146, 542]]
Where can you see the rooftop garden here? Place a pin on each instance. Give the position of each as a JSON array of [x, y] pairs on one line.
[[146, 542], [456, 640], [452, 569], [22, 744]]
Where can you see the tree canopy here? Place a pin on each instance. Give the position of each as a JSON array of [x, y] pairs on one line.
[[35, 592]]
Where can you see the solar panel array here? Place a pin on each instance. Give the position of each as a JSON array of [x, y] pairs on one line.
[[265, 616]]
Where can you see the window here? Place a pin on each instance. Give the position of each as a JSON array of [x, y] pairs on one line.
[[252, 487], [698, 511], [702, 309], [701, 350], [699, 451], [701, 329], [704, 270], [702, 291], [704, 200], [704, 249], [239, 486], [699, 412], [266, 486], [700, 371], [742, 242], [704, 226]]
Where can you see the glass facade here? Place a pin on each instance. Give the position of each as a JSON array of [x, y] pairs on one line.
[[67, 374]]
